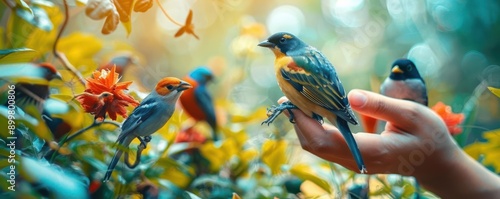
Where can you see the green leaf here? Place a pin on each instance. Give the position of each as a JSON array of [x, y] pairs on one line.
[[18, 31], [37, 125], [57, 183], [23, 5], [17, 55], [38, 18]]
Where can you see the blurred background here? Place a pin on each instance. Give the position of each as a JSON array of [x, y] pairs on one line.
[[451, 42], [455, 44]]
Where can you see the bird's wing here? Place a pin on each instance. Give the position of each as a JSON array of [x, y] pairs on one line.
[[316, 79], [139, 115], [206, 104]]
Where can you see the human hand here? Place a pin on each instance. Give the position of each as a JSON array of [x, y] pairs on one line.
[[415, 140]]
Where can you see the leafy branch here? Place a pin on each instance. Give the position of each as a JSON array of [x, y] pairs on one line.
[[59, 55]]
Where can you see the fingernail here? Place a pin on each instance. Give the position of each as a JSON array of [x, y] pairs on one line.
[[357, 98]]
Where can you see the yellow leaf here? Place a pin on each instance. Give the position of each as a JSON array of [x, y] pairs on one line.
[[258, 115], [248, 154], [178, 174], [41, 40], [304, 172], [16, 55], [274, 154], [475, 149], [128, 27], [214, 155], [80, 49], [312, 190], [495, 91], [37, 126]]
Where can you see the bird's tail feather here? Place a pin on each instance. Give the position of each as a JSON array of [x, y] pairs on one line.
[[119, 151], [351, 143]]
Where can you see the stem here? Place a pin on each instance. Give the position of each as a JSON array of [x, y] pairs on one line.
[[8, 4], [469, 109], [167, 15], [76, 134], [62, 58]]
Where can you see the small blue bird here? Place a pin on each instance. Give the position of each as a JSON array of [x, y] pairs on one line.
[[151, 114], [198, 102]]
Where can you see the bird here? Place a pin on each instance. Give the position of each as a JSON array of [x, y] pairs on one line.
[[122, 61], [197, 102], [95, 104], [151, 114], [310, 82], [31, 82], [405, 82]]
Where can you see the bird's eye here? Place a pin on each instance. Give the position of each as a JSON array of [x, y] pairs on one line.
[[170, 87], [282, 40]]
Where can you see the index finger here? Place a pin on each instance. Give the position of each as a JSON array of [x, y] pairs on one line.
[[403, 114]]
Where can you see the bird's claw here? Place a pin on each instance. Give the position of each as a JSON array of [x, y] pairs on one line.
[[144, 141], [318, 118], [274, 111]]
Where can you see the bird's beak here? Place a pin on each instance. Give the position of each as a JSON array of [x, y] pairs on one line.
[[57, 76], [266, 44], [396, 69], [183, 86]]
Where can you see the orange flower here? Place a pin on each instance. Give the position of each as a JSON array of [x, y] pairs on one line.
[[104, 94], [451, 119], [190, 135]]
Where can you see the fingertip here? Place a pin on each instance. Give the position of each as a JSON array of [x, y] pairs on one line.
[[357, 98], [282, 99]]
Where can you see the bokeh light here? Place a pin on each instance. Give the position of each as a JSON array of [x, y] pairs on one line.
[[286, 18]]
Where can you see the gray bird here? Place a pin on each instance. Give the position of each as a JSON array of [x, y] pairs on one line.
[[405, 82]]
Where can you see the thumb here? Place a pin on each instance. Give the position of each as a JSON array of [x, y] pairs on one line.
[[404, 114]]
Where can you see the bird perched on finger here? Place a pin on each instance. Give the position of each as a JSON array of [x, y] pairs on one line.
[[405, 82], [31, 81], [197, 102], [310, 82], [151, 114]]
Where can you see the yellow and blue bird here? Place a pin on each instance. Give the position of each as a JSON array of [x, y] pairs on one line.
[[310, 82], [197, 102]]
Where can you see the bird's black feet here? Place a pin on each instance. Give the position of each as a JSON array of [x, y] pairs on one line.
[[318, 118], [274, 111]]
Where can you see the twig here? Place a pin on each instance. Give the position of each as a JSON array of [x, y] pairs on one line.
[[61, 56], [94, 124], [167, 15], [79, 132], [8, 4]]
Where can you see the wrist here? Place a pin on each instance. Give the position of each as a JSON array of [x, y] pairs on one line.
[[458, 175]]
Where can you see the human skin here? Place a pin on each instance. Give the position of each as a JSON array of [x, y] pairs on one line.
[[415, 142]]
